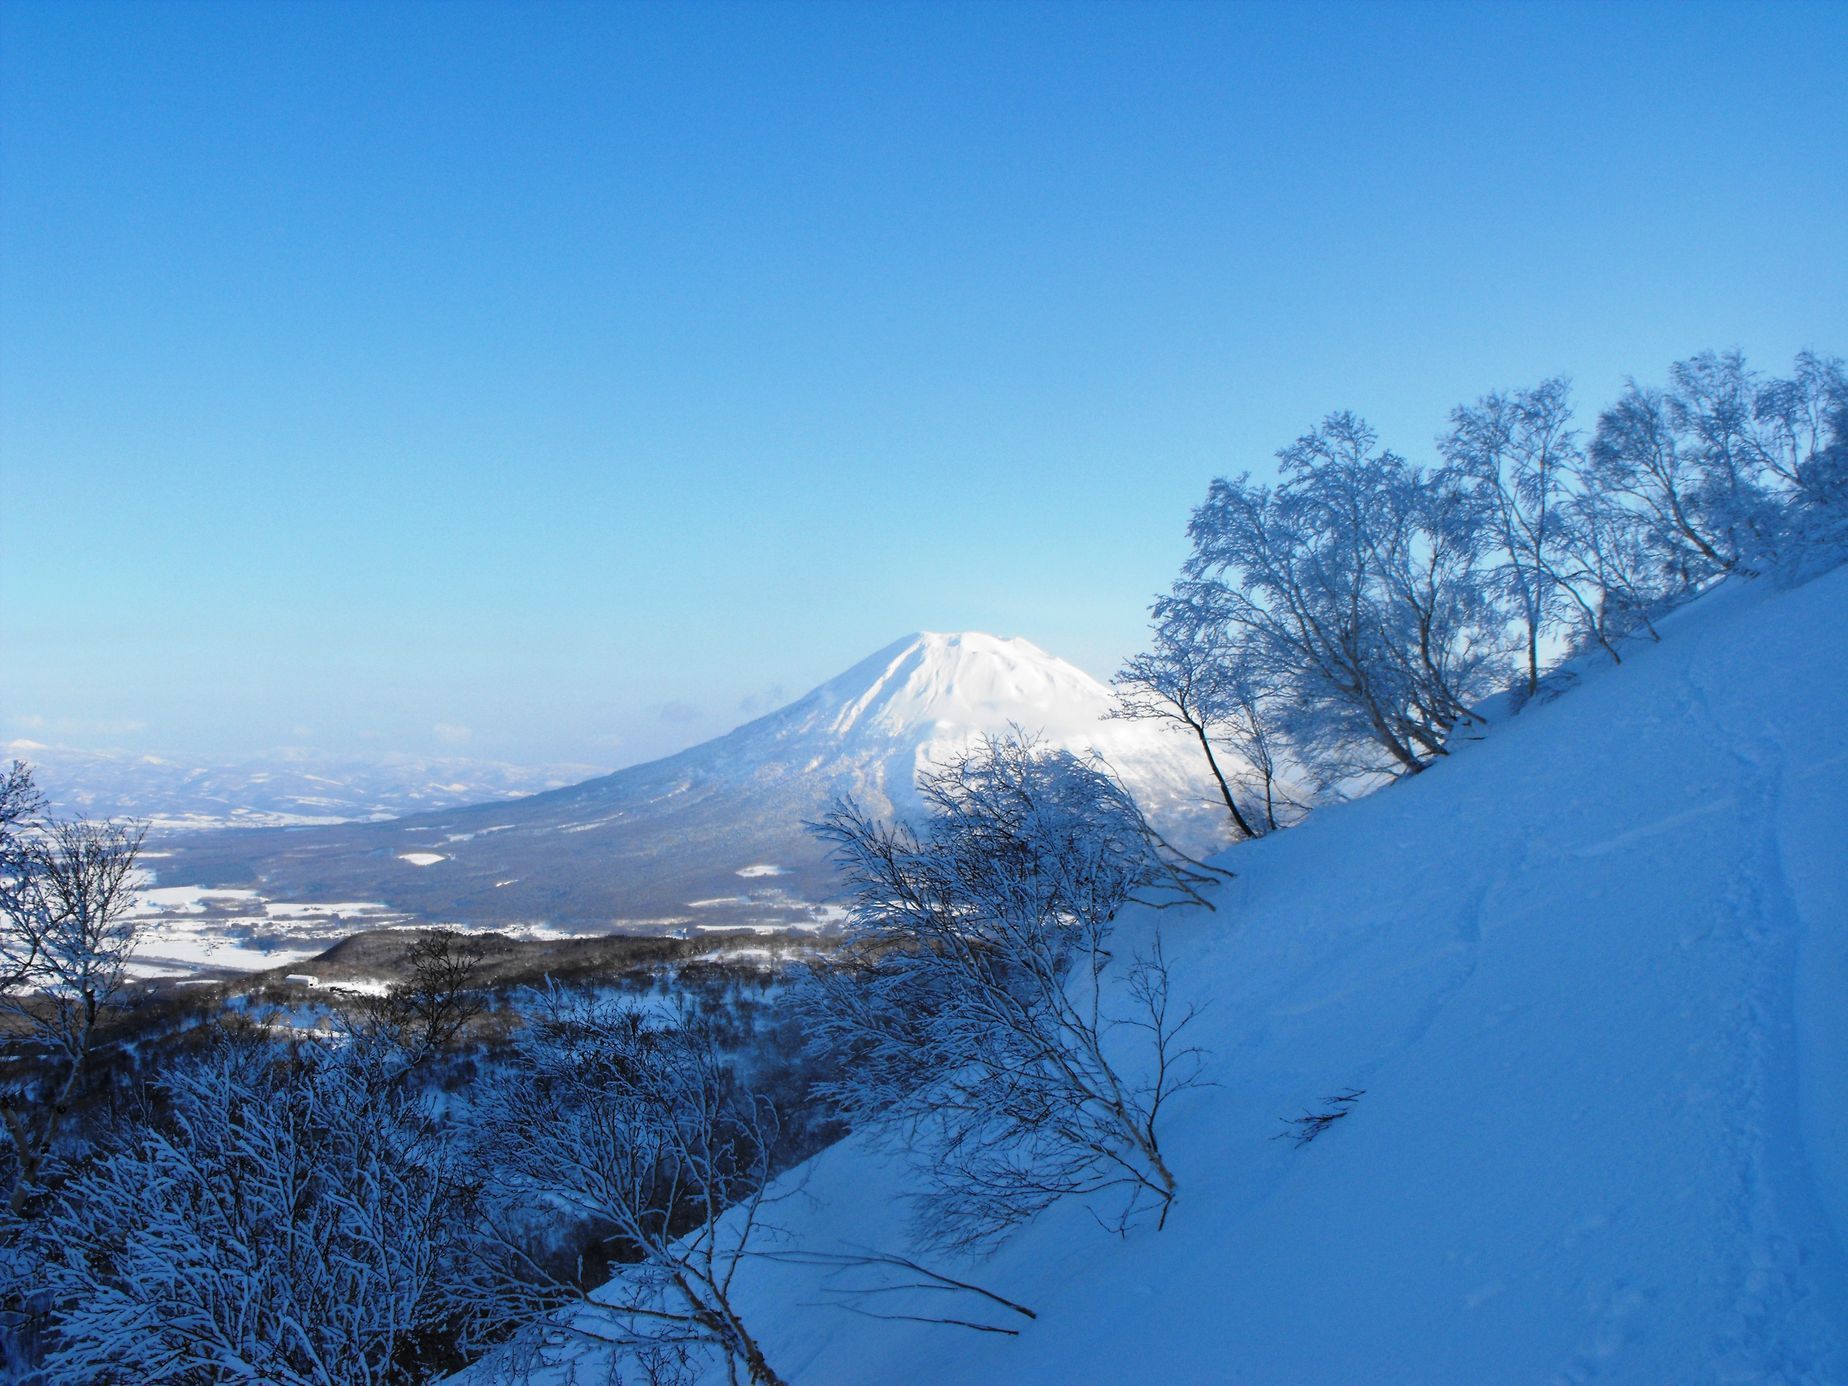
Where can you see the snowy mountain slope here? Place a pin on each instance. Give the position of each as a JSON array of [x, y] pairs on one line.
[[714, 835], [1593, 976]]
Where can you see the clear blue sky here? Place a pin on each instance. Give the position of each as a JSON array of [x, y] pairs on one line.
[[554, 381]]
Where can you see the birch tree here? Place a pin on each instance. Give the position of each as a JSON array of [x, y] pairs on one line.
[[1355, 582], [1513, 456], [66, 934], [1192, 685], [981, 1017]]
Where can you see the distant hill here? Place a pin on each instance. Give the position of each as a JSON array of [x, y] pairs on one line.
[[290, 787]]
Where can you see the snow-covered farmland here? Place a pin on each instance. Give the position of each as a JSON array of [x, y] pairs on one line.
[[185, 929]]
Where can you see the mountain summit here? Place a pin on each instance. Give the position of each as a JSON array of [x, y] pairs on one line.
[[872, 730], [930, 680], [714, 836]]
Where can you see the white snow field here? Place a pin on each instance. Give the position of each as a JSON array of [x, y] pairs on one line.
[[1592, 974], [185, 929]]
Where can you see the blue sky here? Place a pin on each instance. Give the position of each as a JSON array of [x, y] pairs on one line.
[[562, 382]]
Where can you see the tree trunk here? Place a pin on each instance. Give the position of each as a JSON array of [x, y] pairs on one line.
[[759, 1369], [1224, 788]]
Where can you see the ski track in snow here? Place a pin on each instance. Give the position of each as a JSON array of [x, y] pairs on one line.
[[1773, 1332]]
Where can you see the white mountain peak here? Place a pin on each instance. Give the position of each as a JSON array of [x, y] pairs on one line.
[[926, 698], [966, 680]]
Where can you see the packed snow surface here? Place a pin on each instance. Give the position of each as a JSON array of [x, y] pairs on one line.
[[1592, 975]]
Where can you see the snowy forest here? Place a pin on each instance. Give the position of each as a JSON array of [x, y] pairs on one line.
[[512, 1182]]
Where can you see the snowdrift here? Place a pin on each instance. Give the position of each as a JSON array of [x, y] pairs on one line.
[[1592, 975]]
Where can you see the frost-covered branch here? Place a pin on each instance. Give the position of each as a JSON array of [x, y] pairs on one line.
[[634, 1126], [284, 1219]]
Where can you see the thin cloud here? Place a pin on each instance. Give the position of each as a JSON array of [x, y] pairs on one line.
[[765, 700]]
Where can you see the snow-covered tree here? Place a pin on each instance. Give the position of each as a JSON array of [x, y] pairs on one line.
[[1802, 435], [1612, 571], [1355, 582], [1680, 457], [66, 936], [1192, 684], [1210, 681], [1448, 634], [1512, 456], [433, 1005], [20, 803], [975, 1017], [1725, 469], [284, 1219], [635, 1128], [1638, 459], [1802, 419]]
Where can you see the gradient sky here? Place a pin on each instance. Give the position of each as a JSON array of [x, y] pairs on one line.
[[565, 382]]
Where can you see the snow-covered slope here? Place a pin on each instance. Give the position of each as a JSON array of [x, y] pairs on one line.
[[715, 834], [1592, 975]]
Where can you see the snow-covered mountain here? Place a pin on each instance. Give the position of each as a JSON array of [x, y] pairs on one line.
[[714, 836], [922, 699], [1589, 979]]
